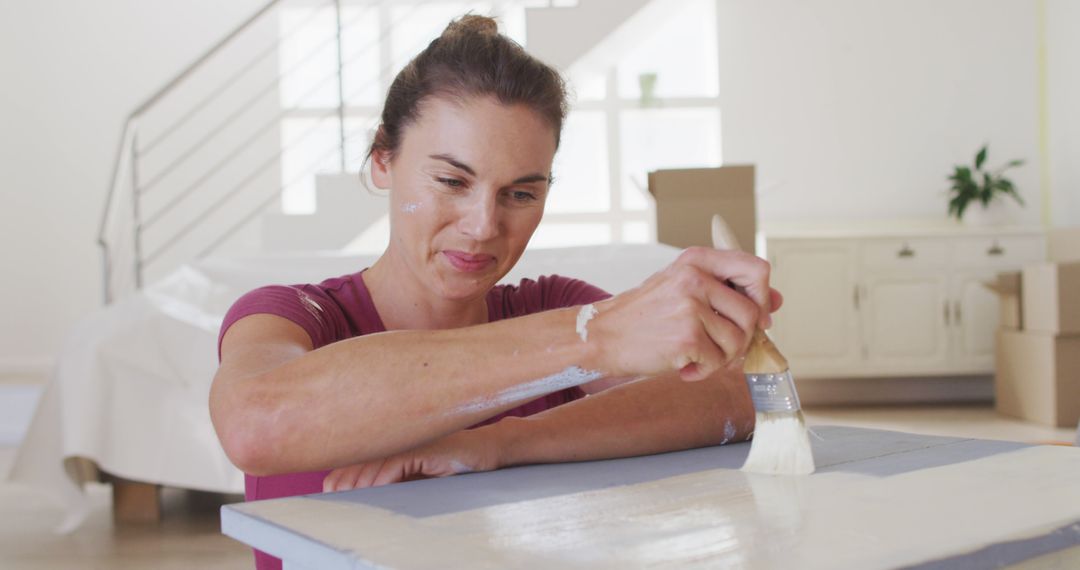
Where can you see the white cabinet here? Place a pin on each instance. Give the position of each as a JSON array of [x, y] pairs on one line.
[[819, 321], [899, 304], [974, 318], [903, 327]]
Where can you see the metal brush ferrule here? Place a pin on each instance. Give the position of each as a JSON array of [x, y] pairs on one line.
[[773, 392]]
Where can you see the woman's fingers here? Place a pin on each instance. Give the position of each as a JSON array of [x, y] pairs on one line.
[[775, 300], [701, 313], [391, 471], [330, 481], [747, 272], [735, 307], [352, 477]]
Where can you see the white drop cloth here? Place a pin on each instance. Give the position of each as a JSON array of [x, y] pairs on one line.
[[132, 382]]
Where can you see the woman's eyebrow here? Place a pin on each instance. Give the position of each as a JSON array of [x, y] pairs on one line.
[[454, 162], [537, 177], [532, 178]]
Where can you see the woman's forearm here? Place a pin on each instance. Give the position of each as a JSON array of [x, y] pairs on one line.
[[376, 395], [645, 417]]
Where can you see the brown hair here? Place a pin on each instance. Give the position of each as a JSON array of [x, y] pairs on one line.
[[470, 58]]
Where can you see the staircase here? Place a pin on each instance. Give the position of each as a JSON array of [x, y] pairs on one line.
[[199, 167]]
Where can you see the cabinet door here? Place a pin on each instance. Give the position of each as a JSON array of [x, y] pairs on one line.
[[974, 317], [905, 323], [817, 327]]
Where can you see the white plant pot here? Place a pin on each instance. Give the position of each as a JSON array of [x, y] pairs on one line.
[[996, 213]]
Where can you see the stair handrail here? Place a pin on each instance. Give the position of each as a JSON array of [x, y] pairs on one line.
[[127, 137]]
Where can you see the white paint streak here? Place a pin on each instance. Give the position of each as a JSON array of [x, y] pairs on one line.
[[729, 432], [568, 378], [583, 317], [781, 445], [458, 467]]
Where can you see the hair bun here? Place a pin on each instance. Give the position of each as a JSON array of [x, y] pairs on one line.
[[472, 24]]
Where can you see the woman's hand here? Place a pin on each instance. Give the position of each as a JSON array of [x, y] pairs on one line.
[[462, 452], [695, 316]]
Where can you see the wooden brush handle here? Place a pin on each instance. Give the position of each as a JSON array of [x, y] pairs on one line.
[[763, 357]]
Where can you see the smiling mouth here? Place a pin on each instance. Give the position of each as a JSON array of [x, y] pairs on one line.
[[468, 262]]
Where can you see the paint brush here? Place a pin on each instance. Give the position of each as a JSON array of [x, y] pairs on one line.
[[781, 444]]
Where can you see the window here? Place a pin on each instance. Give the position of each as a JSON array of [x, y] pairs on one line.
[[652, 105]]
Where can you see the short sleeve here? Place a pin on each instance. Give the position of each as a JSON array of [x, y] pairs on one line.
[[305, 305]]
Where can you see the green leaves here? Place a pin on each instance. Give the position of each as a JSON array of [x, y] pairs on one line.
[[978, 185]]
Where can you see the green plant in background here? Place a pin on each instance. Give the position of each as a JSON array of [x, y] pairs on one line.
[[979, 185]]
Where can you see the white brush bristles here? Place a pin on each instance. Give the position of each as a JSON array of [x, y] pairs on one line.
[[781, 445]]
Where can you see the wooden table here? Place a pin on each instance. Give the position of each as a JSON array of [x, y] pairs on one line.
[[880, 499]]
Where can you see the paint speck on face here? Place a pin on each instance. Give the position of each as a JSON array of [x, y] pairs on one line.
[[410, 207]]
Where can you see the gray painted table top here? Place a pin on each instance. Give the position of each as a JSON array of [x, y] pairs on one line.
[[880, 499]]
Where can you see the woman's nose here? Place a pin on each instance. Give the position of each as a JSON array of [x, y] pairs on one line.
[[479, 219]]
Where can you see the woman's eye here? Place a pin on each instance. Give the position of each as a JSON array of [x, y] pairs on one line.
[[522, 196], [452, 182]]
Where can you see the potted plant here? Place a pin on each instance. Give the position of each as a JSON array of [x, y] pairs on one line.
[[983, 188]]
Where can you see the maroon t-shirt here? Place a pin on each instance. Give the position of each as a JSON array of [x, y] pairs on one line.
[[341, 308]]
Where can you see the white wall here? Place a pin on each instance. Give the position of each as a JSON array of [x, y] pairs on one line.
[[857, 109], [1063, 78], [71, 72]]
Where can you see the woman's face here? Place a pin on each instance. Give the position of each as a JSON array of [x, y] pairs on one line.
[[467, 189]]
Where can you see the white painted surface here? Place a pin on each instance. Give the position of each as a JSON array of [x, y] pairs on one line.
[[879, 499]]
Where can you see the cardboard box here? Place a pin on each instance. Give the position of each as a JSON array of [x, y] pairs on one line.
[[1050, 295], [686, 200], [1007, 287], [1037, 377], [1063, 244]]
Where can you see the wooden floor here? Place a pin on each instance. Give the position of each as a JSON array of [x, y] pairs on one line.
[[188, 536]]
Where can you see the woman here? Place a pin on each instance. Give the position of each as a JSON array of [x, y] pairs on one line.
[[420, 366]]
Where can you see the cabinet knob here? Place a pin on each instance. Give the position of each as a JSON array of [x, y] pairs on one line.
[[906, 251], [995, 250]]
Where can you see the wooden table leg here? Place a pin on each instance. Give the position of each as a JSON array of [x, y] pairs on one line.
[[135, 502]]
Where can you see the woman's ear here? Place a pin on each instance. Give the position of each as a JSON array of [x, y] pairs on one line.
[[380, 169]]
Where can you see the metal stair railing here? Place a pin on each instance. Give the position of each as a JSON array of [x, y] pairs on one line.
[[124, 219]]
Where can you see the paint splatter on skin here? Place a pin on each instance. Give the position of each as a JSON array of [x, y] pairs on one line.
[[568, 378], [458, 467], [729, 432], [410, 207], [583, 317]]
